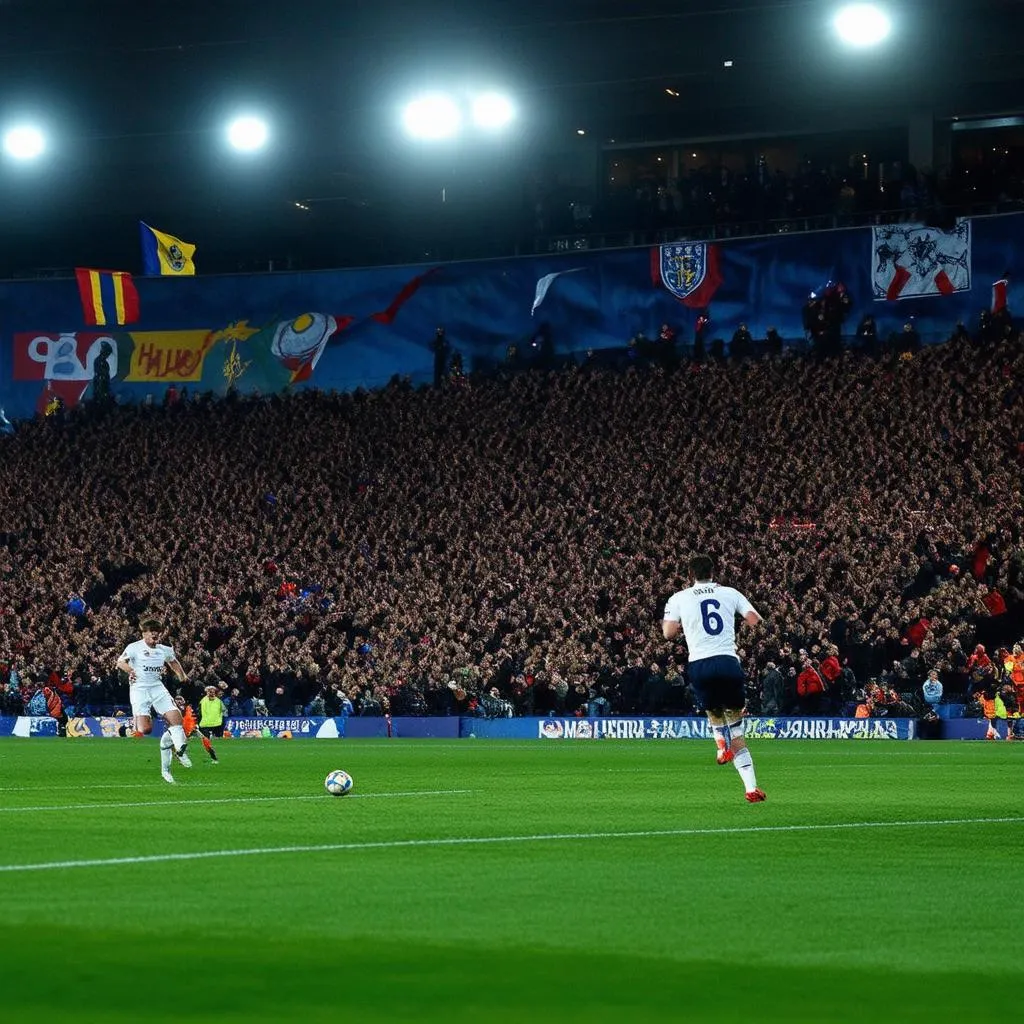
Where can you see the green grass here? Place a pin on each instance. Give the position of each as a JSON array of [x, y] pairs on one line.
[[722, 910]]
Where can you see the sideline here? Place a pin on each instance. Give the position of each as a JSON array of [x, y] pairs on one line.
[[164, 858], [227, 800]]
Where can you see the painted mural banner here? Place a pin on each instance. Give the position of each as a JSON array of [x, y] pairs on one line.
[[615, 728], [270, 358], [358, 328]]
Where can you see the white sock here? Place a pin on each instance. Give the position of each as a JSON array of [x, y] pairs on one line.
[[177, 736], [165, 752], [744, 764]]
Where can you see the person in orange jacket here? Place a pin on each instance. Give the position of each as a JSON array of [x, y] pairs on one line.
[[191, 726], [1014, 666]]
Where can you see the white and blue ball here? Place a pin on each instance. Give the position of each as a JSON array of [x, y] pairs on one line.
[[338, 783]]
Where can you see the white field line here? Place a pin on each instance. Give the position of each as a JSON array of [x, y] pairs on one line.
[[163, 858], [228, 800], [802, 766], [99, 785]]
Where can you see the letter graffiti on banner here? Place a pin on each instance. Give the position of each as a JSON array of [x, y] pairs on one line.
[[698, 728], [168, 357]]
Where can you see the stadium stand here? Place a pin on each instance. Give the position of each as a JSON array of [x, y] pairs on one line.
[[510, 539]]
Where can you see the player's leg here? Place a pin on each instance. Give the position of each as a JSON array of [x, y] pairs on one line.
[[163, 704], [705, 698], [166, 753], [204, 738], [142, 714], [142, 710], [742, 759], [204, 735], [730, 686], [992, 733], [716, 719]]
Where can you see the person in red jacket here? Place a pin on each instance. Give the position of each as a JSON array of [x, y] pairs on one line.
[[979, 660], [810, 688], [830, 671], [917, 631], [830, 668]]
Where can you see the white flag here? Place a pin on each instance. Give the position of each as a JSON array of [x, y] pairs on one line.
[[545, 283], [908, 262]]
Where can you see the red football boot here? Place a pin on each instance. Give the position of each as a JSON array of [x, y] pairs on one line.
[[756, 797]]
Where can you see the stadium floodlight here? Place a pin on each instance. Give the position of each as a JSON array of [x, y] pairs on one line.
[[24, 142], [493, 111], [248, 134], [862, 25], [432, 117]]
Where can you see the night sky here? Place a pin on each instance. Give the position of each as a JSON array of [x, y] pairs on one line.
[[134, 97]]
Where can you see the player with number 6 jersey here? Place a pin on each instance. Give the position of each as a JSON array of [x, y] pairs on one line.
[[705, 613]]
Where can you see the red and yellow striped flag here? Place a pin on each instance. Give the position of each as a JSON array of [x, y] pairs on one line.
[[108, 296]]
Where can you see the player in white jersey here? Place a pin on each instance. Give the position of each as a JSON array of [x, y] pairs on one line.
[[706, 614], [144, 661]]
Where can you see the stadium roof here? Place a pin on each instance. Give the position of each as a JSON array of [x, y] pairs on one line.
[[135, 93]]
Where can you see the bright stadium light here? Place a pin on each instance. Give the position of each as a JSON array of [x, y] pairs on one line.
[[432, 117], [24, 142], [247, 134], [493, 111], [862, 25]]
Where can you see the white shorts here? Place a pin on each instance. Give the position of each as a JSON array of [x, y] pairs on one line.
[[149, 698]]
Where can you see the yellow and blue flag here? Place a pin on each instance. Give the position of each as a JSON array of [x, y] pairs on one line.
[[164, 255], [108, 297]]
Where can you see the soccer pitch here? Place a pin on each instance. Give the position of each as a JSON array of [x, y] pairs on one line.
[[510, 881]]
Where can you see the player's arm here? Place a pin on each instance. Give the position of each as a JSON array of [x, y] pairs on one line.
[[672, 620], [126, 666], [175, 666], [752, 618]]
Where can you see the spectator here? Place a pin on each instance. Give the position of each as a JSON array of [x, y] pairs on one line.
[[773, 701], [519, 533], [810, 688], [742, 344], [441, 349], [932, 691], [867, 336]]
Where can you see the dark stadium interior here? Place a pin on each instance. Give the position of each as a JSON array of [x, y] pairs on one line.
[[136, 102]]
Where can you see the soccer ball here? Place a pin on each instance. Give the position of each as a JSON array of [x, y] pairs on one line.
[[338, 783]]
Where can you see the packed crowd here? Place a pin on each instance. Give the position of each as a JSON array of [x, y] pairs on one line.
[[761, 199], [507, 544]]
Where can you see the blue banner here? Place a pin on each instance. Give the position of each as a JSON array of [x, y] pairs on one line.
[[108, 726], [351, 328], [397, 727], [292, 727], [977, 729], [688, 728], [443, 728], [296, 728], [518, 728], [25, 726]]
